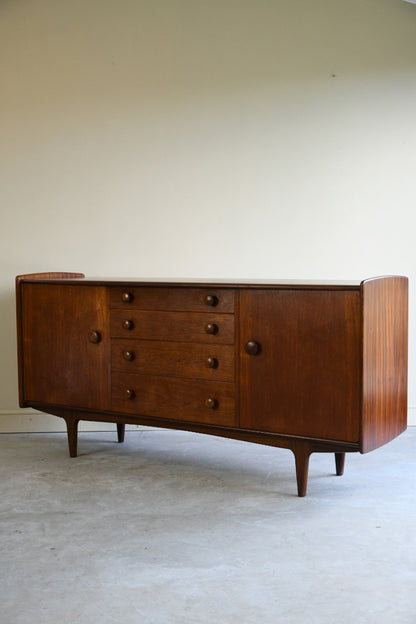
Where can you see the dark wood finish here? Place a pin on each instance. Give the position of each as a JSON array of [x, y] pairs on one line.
[[211, 300], [316, 367], [177, 299], [252, 347], [207, 284], [339, 463], [169, 396], [121, 428], [257, 437], [173, 359], [60, 364], [310, 362], [127, 297], [49, 277], [385, 340], [94, 336], [19, 320], [302, 451], [174, 326], [72, 421]]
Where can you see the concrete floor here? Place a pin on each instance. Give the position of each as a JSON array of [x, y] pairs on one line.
[[179, 528]]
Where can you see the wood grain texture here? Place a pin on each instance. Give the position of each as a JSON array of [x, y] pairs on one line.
[[60, 365], [173, 359], [168, 298], [49, 276], [385, 345], [173, 398], [309, 367], [173, 326], [18, 289], [305, 380]]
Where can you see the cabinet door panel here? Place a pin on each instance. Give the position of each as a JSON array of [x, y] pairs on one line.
[[64, 363], [305, 379]]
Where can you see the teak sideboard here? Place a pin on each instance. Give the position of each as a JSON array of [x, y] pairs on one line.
[[311, 367]]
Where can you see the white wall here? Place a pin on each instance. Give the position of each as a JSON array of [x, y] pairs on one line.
[[229, 138]]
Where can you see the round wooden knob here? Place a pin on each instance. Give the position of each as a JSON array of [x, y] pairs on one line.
[[212, 362], [94, 336], [127, 297], [127, 324], [130, 394], [211, 300], [128, 355], [211, 403], [252, 347], [211, 328]]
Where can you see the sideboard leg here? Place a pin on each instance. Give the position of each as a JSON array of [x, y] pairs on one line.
[[121, 427], [72, 432], [302, 453], [339, 463]]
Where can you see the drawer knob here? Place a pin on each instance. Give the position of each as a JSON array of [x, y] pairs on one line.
[[127, 324], [128, 355], [127, 297], [211, 300], [252, 347], [94, 336], [212, 362], [211, 328], [211, 403], [130, 394]]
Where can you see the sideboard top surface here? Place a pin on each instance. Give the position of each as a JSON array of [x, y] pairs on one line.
[[204, 282]]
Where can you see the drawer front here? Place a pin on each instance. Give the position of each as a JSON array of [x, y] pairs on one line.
[[172, 298], [173, 326], [176, 359], [172, 398]]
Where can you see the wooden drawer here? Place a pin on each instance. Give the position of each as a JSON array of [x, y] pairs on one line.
[[172, 298], [176, 359], [173, 398], [173, 326]]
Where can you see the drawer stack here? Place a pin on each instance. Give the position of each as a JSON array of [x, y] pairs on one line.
[[172, 353]]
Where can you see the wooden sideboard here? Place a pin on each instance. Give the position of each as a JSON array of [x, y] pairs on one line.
[[311, 366]]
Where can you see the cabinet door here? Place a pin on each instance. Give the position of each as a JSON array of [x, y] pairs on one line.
[[305, 378], [65, 345]]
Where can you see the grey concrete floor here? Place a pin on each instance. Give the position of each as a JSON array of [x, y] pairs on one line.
[[179, 528]]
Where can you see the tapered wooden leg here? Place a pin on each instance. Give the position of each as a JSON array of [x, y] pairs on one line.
[[302, 453], [339, 463], [72, 432], [121, 427]]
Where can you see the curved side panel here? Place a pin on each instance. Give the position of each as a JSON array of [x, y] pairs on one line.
[[49, 275], [385, 345]]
